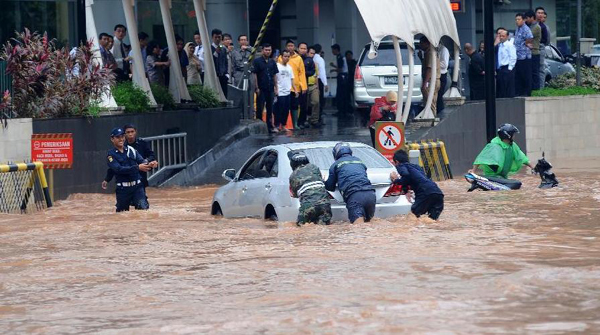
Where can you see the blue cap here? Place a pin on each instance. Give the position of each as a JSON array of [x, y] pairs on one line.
[[117, 132]]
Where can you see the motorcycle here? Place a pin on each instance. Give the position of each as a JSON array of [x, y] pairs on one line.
[[543, 168]]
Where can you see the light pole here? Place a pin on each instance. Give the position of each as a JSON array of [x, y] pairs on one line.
[[578, 43], [490, 87]]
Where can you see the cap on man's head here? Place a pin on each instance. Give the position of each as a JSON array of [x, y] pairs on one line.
[[129, 125], [117, 132], [391, 96]]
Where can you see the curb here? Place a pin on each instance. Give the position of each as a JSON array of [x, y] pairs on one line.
[[204, 162]]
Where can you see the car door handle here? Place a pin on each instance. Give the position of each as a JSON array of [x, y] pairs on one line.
[[244, 189], [268, 187]]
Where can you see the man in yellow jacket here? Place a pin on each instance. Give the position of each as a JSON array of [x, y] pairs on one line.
[[297, 65]]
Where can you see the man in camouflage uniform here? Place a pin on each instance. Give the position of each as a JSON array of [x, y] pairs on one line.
[[307, 184]]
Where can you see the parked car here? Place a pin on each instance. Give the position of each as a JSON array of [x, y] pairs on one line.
[[262, 191], [374, 77], [556, 63]]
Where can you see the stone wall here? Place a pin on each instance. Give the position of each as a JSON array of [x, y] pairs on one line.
[[15, 141], [563, 127]]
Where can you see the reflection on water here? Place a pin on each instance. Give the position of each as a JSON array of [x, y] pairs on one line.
[[506, 262]]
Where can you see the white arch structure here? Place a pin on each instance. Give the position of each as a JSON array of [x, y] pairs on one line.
[[403, 19]]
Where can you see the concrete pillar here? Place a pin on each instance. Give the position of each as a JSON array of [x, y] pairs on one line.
[[210, 74], [177, 84], [92, 34], [139, 73], [307, 20], [346, 15]]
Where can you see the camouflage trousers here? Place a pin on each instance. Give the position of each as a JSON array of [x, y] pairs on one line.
[[316, 213]]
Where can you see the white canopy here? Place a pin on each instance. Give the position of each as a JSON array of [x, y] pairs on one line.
[[406, 18]]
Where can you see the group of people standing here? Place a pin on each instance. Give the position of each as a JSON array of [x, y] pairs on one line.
[[520, 62], [229, 61]]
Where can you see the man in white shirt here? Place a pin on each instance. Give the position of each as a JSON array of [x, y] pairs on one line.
[[506, 54], [444, 56], [285, 83], [199, 52], [323, 86], [120, 53]]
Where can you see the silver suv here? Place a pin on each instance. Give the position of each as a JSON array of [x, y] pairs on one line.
[[374, 77]]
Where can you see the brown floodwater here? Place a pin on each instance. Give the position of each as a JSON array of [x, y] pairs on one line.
[[523, 261]]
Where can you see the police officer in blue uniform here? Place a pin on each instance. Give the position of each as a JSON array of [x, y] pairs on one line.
[[142, 147], [126, 163], [350, 174]]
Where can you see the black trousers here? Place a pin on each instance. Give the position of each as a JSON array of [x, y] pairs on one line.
[[440, 97], [535, 72], [321, 98], [523, 78], [505, 83], [342, 100], [223, 81], [282, 110], [477, 89], [303, 99], [265, 97], [432, 204]]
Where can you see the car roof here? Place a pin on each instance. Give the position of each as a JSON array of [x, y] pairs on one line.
[[314, 145]]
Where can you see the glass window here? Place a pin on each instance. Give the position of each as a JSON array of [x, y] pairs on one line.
[[58, 18], [386, 56], [323, 158], [263, 165]]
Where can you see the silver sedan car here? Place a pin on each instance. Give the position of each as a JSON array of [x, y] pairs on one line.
[[261, 187]]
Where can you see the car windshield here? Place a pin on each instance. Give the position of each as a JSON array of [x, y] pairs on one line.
[[323, 158], [386, 56]]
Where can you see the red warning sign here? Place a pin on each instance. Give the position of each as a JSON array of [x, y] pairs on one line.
[[54, 150], [389, 138]]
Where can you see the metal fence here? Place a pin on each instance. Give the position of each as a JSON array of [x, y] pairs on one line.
[[171, 153], [5, 84]]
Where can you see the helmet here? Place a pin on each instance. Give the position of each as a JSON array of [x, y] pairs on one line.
[[507, 131], [298, 159], [341, 149]]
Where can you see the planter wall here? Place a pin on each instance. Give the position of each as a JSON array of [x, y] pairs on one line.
[[92, 140], [15, 141], [563, 127]]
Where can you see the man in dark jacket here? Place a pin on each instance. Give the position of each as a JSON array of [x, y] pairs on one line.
[[307, 184], [476, 73], [142, 147], [350, 174], [219, 52], [428, 196]]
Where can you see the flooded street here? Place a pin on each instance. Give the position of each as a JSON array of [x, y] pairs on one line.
[[497, 262]]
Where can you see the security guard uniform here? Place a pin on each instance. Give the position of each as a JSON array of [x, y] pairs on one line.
[[124, 165], [147, 153]]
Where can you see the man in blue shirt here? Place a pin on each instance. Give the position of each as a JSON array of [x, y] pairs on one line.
[[126, 163], [523, 44], [350, 174], [428, 196]]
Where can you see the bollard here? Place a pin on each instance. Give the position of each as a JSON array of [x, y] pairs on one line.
[[414, 156]]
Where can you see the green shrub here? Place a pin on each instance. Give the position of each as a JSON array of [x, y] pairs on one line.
[[555, 92], [590, 78], [163, 96], [204, 96], [130, 96]]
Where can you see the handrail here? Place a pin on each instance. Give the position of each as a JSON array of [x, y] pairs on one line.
[[170, 151]]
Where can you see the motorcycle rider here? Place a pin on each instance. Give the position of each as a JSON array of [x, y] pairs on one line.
[[502, 156], [307, 184], [350, 174]]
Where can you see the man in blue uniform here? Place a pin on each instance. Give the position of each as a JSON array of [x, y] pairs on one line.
[[142, 147], [350, 174], [428, 196], [126, 163]]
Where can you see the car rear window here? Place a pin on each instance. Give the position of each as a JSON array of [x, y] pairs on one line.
[[323, 158], [386, 56]]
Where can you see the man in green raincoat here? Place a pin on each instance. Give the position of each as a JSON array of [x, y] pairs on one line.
[[502, 156]]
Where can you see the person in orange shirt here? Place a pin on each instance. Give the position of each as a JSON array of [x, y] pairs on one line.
[[300, 83]]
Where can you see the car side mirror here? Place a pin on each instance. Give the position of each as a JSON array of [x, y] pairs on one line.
[[228, 174]]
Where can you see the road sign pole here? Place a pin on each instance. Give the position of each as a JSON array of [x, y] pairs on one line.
[[490, 88], [51, 183]]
